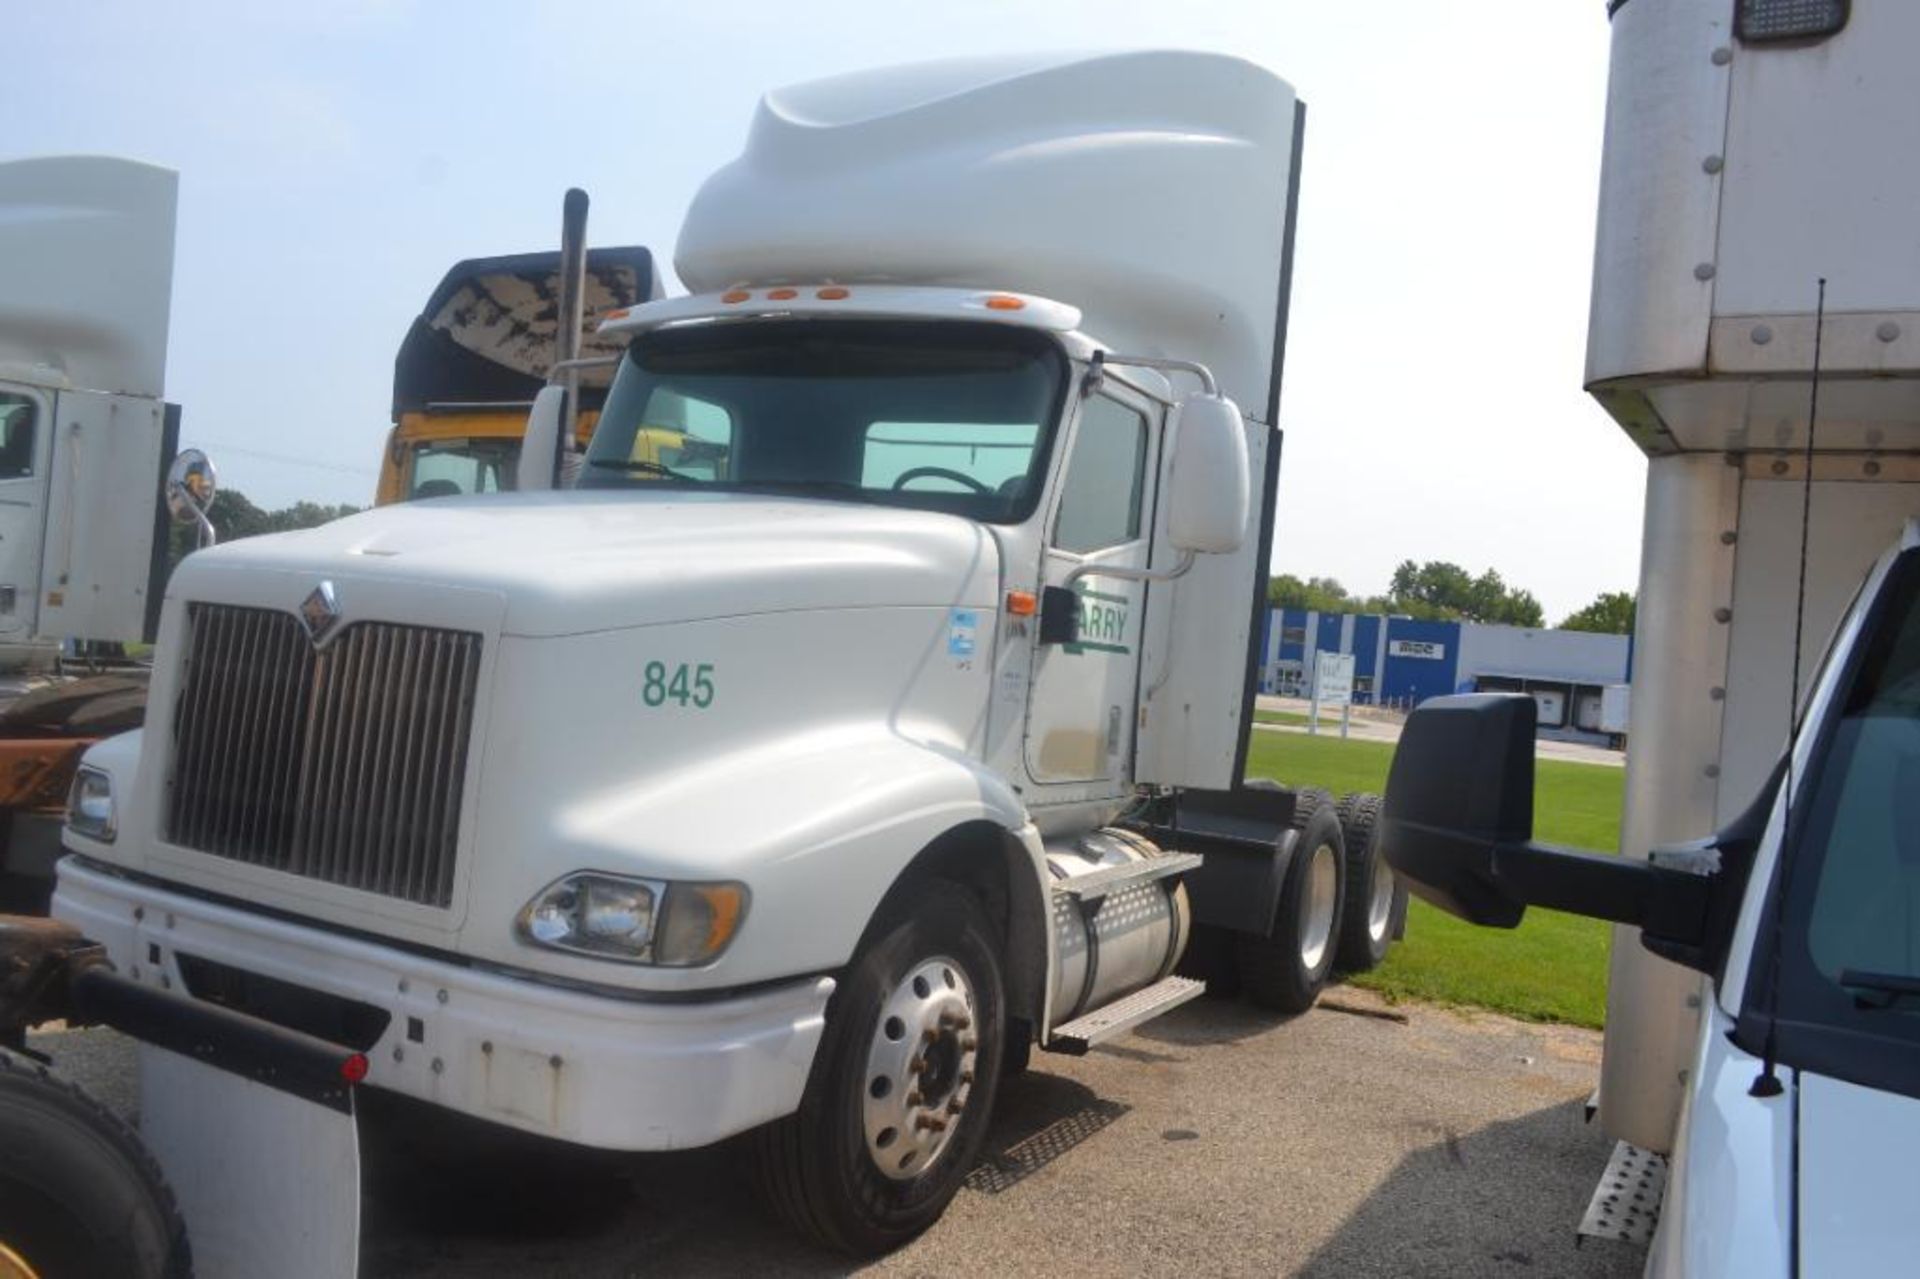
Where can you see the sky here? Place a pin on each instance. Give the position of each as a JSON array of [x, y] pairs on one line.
[[336, 158]]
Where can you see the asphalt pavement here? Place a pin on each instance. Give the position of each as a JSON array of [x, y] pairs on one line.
[[1358, 1140]]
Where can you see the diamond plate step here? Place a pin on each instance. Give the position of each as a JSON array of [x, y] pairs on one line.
[[1096, 884], [1122, 1015], [1626, 1203]]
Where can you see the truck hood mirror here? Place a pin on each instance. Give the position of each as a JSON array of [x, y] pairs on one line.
[[540, 448], [1208, 490], [1457, 824], [191, 484]]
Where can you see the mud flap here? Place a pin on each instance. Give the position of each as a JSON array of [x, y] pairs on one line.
[[269, 1182]]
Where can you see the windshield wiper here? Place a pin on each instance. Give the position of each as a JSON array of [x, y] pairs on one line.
[[1877, 991], [636, 467]]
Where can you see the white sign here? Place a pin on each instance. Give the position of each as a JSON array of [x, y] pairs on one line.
[[1426, 649], [1333, 678]]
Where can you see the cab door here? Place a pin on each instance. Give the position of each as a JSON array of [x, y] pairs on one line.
[[1080, 709], [26, 426]]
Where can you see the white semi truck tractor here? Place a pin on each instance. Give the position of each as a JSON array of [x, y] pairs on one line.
[[1763, 1027], [800, 785]]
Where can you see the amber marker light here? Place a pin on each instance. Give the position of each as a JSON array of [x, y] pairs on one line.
[[735, 295], [1022, 603], [782, 295], [1005, 302], [619, 313], [832, 293]]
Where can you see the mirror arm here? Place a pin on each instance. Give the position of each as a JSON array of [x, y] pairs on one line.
[[1179, 569], [1163, 363], [1665, 903]]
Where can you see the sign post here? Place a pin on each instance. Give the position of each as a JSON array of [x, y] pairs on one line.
[[1332, 684]]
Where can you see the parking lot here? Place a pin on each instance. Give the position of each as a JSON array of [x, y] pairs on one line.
[[1360, 1139]]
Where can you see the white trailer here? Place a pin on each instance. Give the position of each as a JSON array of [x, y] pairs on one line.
[[1754, 150], [798, 784]]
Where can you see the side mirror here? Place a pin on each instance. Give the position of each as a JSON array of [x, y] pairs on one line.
[[1457, 825], [1208, 489], [540, 446], [191, 484]]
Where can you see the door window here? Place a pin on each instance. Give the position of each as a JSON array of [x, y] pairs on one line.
[[16, 436], [1106, 478]]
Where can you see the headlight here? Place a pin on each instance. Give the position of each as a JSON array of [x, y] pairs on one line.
[[90, 805], [641, 921]]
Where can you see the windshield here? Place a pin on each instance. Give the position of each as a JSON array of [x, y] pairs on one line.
[[951, 417], [1851, 959]]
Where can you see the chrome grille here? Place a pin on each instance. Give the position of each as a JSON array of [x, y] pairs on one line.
[[344, 765]]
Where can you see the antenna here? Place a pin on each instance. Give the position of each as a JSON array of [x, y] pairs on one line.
[[1767, 1082]]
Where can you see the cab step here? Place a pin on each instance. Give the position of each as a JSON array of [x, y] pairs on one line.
[[1096, 884], [1122, 1015]]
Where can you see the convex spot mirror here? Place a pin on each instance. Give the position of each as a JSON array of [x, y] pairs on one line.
[[191, 484], [1208, 488], [541, 445]]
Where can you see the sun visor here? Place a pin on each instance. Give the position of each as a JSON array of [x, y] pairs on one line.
[[86, 270]]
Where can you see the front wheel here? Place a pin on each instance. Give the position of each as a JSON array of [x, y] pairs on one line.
[[902, 1086]]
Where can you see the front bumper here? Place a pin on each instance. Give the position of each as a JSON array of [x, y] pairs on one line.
[[617, 1073]]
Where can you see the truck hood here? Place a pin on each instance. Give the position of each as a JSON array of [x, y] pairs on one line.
[[1856, 1178], [570, 563]]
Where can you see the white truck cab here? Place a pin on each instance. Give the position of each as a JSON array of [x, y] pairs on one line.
[[799, 777], [1754, 332]]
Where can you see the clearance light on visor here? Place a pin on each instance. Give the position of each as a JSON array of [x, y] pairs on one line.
[[90, 805], [637, 921], [1758, 21]]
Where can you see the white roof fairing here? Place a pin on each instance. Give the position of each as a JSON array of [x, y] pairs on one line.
[[86, 270], [1147, 189]]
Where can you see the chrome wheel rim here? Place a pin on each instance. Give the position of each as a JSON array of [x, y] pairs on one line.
[[1380, 904], [1323, 885], [920, 1068], [13, 1265]]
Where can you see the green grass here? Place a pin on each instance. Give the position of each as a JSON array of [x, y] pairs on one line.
[[1554, 966]]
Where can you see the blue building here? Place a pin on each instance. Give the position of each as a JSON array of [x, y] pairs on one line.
[[1403, 661]]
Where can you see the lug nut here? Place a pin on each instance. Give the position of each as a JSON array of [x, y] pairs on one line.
[[969, 1044], [929, 1035], [966, 1077], [914, 1099], [917, 1065], [954, 1107]]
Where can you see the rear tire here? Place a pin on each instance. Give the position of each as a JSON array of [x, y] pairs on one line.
[[79, 1194], [844, 1169], [1285, 971], [1376, 905]]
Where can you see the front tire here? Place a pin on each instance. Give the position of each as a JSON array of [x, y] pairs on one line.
[[79, 1194], [1285, 970], [902, 1086]]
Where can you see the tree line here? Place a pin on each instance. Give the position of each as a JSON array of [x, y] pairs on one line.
[[1440, 591], [234, 517]]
